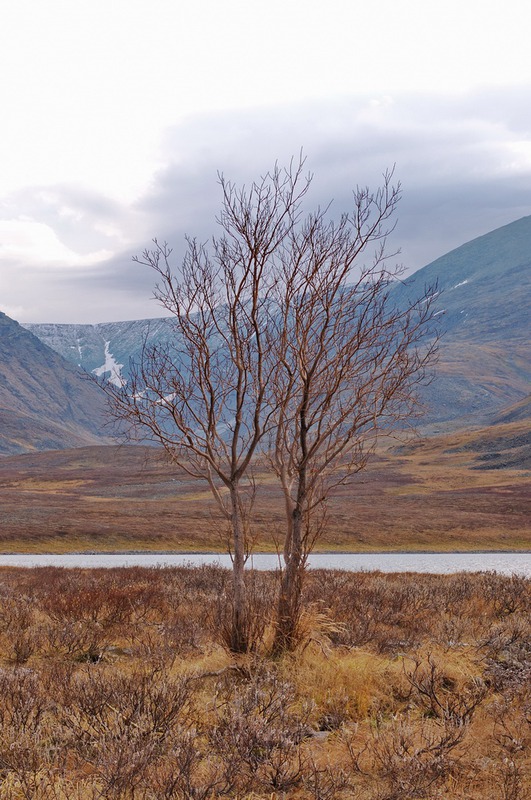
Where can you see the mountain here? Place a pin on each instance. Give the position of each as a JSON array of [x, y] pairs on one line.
[[103, 349], [483, 300], [45, 402], [518, 412], [484, 286]]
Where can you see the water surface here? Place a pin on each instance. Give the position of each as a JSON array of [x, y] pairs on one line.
[[505, 563]]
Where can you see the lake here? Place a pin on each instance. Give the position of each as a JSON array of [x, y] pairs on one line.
[[505, 563]]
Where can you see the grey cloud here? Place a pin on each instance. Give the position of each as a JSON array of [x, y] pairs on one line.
[[454, 156], [117, 289]]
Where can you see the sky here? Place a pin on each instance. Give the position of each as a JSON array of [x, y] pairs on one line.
[[118, 115]]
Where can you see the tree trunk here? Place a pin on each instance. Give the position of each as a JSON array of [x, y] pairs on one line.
[[239, 640], [288, 608]]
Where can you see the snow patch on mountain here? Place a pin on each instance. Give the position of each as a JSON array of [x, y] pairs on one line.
[[112, 367], [80, 352]]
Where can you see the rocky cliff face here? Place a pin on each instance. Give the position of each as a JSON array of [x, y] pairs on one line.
[[106, 349]]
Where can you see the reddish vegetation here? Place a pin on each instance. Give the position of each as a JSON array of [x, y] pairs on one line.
[[433, 495], [115, 684]]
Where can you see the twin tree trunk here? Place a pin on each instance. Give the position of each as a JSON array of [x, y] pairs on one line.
[[289, 599]]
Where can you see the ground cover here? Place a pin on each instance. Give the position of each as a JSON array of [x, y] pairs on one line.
[[447, 492], [116, 684]]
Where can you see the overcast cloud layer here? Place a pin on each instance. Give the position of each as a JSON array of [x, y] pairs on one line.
[[464, 164], [462, 155]]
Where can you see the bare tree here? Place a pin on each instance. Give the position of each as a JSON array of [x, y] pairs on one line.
[[205, 397], [283, 347], [348, 361]]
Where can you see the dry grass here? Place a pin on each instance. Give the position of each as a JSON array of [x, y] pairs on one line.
[[115, 684]]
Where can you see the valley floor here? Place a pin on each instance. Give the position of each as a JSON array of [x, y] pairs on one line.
[[454, 492]]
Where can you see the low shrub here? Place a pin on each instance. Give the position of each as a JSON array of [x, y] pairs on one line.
[[116, 684]]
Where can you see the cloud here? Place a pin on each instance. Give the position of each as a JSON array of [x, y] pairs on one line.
[[39, 245], [83, 220], [464, 162], [65, 256]]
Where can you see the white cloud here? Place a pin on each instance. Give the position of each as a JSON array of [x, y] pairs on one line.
[[37, 244]]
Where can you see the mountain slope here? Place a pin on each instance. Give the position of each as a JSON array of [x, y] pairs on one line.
[[484, 303], [45, 403], [518, 412], [484, 286], [484, 300]]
